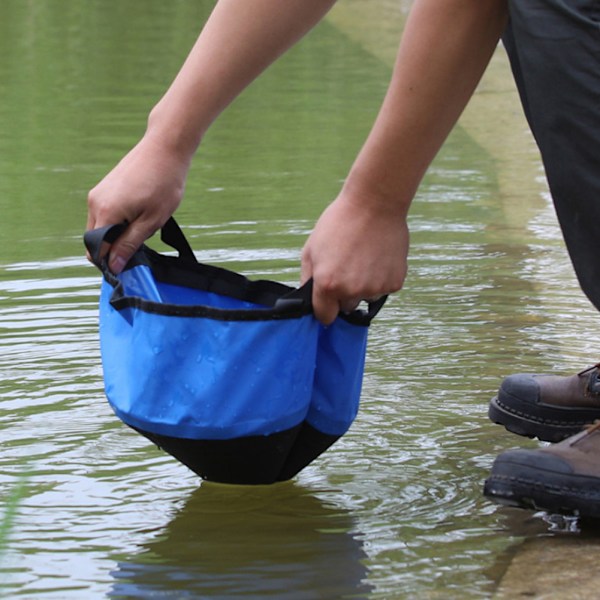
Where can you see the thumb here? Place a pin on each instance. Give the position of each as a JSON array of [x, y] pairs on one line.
[[126, 245]]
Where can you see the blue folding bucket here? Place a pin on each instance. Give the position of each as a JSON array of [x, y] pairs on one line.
[[234, 378]]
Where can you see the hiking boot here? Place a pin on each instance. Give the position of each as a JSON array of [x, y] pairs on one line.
[[548, 407], [562, 478]]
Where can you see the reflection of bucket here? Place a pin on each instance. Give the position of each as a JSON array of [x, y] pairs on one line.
[[236, 379], [251, 542]]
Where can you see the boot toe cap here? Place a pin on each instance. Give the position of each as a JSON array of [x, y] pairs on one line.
[[519, 462], [523, 386]]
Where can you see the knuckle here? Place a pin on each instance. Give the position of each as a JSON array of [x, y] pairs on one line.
[[92, 198], [129, 246], [398, 283], [329, 286]]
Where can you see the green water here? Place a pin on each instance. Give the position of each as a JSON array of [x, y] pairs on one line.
[[394, 509]]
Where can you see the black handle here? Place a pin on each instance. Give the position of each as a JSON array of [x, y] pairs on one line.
[[364, 317], [170, 234], [303, 296], [94, 238]]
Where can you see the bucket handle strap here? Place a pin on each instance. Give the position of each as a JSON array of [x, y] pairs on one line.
[[358, 316], [170, 234], [94, 238]]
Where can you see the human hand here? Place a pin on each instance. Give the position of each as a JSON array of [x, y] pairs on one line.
[[355, 252], [144, 189]]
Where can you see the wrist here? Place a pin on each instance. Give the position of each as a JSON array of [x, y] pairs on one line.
[[373, 194], [172, 130]]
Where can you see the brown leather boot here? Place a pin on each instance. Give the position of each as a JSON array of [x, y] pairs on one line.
[[548, 407], [562, 478]]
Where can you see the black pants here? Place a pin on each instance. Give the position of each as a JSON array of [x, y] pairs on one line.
[[554, 50]]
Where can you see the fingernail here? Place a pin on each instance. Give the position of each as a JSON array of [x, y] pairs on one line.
[[117, 264]]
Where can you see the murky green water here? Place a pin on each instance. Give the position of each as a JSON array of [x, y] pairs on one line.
[[393, 510]]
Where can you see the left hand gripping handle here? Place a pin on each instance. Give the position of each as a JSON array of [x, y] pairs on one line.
[[94, 238]]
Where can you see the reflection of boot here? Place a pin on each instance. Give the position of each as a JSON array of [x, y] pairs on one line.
[[562, 478], [548, 407]]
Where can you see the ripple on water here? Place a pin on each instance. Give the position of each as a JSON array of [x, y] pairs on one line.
[[398, 497]]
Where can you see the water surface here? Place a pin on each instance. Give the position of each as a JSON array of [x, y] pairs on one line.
[[394, 509]]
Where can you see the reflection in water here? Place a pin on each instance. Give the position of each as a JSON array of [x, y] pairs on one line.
[[562, 523], [230, 541]]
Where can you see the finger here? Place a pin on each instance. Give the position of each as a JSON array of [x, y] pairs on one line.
[[127, 245], [348, 306], [91, 223], [325, 306], [305, 267], [88, 227], [104, 248]]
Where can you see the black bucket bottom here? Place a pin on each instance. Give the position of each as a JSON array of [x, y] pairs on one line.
[[252, 460]]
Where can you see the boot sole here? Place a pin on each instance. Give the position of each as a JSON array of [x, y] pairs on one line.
[[525, 486], [550, 424]]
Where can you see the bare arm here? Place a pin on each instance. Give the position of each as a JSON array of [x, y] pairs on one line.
[[359, 246], [240, 39]]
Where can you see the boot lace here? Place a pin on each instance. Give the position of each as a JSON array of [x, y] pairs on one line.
[[596, 366], [591, 427]]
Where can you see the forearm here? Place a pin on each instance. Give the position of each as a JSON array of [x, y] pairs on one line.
[[240, 40], [445, 49]]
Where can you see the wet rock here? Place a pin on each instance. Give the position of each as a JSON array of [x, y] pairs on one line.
[[553, 568]]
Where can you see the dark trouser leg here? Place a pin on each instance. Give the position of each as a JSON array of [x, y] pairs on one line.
[[554, 49]]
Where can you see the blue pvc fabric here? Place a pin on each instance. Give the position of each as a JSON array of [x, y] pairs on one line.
[[338, 376], [204, 378], [197, 352]]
